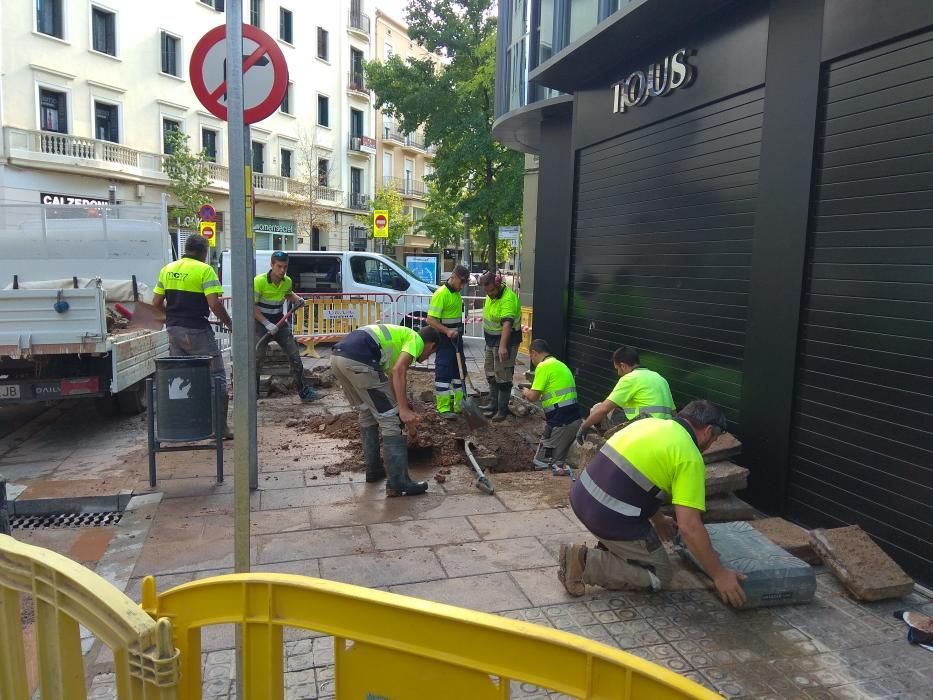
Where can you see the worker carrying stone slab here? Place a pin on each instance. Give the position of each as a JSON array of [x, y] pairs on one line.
[[371, 364], [651, 462], [639, 392]]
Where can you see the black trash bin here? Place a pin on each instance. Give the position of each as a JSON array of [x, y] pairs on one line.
[[184, 410]]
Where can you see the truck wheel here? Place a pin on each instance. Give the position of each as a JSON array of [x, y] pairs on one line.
[[132, 400]]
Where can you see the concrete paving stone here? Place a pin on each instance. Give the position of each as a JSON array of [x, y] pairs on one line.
[[420, 533], [464, 504], [492, 556], [552, 543], [281, 480], [383, 568], [346, 476], [501, 526], [307, 496], [217, 637], [523, 500], [264, 522], [164, 582], [541, 586], [197, 555], [372, 512], [299, 567], [323, 650], [311, 544], [488, 592]]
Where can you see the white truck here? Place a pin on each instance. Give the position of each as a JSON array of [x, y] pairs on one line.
[[63, 270]]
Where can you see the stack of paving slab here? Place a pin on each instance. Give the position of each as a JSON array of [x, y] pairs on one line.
[[275, 373], [723, 479]]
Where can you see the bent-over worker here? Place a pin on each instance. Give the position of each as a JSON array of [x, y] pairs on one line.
[[646, 464], [270, 290], [639, 392], [555, 386], [445, 315], [188, 290], [501, 312], [371, 364]]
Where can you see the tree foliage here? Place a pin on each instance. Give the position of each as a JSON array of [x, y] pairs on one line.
[[454, 100], [400, 222], [304, 191], [188, 173]]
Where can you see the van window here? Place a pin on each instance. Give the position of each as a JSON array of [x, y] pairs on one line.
[[376, 274], [315, 273]]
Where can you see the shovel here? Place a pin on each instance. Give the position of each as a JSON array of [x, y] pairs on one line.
[[482, 481], [282, 321], [143, 316], [474, 416]]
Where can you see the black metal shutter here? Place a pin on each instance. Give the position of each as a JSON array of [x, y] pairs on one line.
[[661, 251], [862, 442]]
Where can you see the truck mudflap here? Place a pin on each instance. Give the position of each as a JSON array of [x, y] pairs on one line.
[[28, 390]]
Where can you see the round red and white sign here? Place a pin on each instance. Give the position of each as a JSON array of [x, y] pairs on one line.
[[265, 73], [381, 221]]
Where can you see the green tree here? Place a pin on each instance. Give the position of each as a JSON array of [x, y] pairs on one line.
[[400, 222], [454, 99], [188, 172]]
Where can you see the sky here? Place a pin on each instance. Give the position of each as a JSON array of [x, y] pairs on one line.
[[393, 8]]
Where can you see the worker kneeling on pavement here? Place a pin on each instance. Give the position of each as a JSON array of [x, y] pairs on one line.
[[371, 364], [501, 311], [270, 290], [445, 315], [555, 386], [639, 392], [644, 465]]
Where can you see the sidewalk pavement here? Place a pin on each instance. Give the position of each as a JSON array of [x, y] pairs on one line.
[[459, 546]]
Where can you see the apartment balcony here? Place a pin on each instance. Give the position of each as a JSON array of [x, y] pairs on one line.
[[329, 195], [359, 23], [390, 135], [358, 201], [362, 146], [405, 186], [414, 142], [356, 83]]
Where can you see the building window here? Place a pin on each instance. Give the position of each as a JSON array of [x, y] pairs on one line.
[[255, 12], [171, 61], [356, 69], [286, 162], [285, 25], [259, 150], [49, 18], [356, 122], [106, 122], [323, 110], [209, 144], [168, 126], [53, 111], [216, 4], [104, 31], [323, 172], [286, 106], [322, 48], [387, 50]]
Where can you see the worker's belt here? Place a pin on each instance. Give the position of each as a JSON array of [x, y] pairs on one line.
[[560, 404], [451, 322], [632, 473]]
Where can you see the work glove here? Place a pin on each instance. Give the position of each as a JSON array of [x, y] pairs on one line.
[[581, 435], [299, 303], [271, 327]]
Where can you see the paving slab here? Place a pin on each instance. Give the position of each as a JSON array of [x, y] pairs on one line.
[[496, 555], [860, 564], [307, 496], [371, 512], [421, 533], [264, 522], [464, 504], [384, 568], [312, 544], [501, 526], [725, 477], [488, 593], [788, 536]]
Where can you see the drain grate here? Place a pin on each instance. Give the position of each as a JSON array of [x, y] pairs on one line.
[[64, 520]]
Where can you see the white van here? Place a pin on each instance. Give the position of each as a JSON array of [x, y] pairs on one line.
[[347, 272]]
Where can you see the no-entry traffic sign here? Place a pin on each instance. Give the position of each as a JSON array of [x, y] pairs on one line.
[[265, 73], [380, 223]]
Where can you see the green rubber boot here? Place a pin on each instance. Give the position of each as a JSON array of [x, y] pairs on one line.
[[374, 469]]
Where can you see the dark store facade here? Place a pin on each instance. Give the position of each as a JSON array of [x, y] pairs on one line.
[[744, 192]]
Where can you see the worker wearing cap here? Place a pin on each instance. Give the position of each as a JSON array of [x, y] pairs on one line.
[[445, 315], [556, 388], [501, 312], [646, 464], [371, 364], [270, 290], [639, 392], [188, 290]]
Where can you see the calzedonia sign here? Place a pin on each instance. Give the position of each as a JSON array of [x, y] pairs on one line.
[[656, 80]]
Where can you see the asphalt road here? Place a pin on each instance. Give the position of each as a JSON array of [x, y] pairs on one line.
[[12, 418]]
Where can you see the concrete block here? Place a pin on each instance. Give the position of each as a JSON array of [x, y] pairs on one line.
[[579, 456], [726, 508], [860, 564], [725, 446], [789, 537], [725, 477]]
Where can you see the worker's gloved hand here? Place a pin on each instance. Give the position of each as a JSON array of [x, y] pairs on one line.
[[298, 304], [581, 435], [271, 327]]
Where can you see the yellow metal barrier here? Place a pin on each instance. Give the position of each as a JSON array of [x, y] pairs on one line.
[[527, 314], [391, 646], [66, 595], [329, 318]]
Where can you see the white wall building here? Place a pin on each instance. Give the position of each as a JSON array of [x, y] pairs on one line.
[[88, 89]]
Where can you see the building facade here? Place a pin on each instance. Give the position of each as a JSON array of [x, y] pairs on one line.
[[403, 160], [89, 89], [741, 190]]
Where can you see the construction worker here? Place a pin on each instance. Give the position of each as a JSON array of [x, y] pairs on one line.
[[639, 392], [270, 290], [445, 315], [554, 385], [371, 364], [188, 290], [501, 312], [647, 463]]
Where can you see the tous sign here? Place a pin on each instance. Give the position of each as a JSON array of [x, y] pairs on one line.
[[658, 80]]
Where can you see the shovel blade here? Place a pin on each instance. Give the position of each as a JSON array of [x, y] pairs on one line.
[[146, 316], [474, 417]]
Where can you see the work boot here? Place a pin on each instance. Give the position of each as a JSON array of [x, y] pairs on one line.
[[396, 457], [490, 402], [505, 393], [374, 469], [572, 560], [307, 394], [224, 427]]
